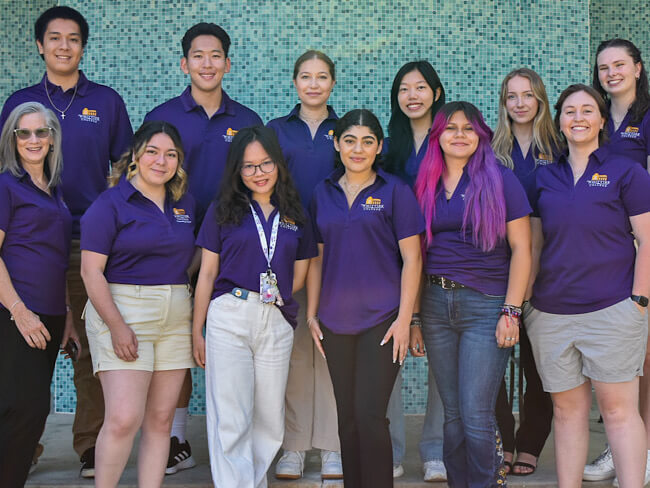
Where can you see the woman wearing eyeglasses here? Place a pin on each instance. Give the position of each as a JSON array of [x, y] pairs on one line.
[[35, 228], [256, 245]]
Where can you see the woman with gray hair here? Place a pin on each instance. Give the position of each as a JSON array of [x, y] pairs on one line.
[[35, 321]]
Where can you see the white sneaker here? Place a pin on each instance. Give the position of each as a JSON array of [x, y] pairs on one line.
[[647, 473], [331, 467], [398, 470], [434, 470], [290, 466], [602, 468]]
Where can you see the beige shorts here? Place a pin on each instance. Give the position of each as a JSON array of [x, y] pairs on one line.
[[160, 316], [607, 345]]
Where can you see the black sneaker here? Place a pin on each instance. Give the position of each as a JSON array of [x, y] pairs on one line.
[[88, 463], [180, 456]]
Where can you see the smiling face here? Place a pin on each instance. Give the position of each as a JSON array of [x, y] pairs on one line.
[[617, 71], [358, 148], [459, 140], [580, 119], [206, 63], [415, 96], [261, 184], [521, 103], [314, 83], [62, 47], [158, 163], [34, 150]]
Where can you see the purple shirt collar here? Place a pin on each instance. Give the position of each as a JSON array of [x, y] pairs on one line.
[[190, 104], [82, 85], [295, 113]]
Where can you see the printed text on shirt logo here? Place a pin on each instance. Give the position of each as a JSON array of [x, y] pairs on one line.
[[372, 204], [230, 133], [180, 216], [89, 115], [598, 180]]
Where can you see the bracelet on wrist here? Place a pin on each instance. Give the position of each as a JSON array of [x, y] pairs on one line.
[[511, 311], [416, 321], [310, 319], [11, 314]]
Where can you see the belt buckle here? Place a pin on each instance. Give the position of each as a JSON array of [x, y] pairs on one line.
[[443, 283]]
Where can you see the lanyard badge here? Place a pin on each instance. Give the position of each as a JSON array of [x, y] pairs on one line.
[[269, 291]]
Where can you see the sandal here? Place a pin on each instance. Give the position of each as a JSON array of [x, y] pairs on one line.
[[523, 465], [507, 466]]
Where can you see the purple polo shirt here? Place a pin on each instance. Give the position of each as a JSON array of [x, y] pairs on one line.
[[310, 160], [241, 259], [144, 245], [96, 130], [412, 164], [362, 264], [36, 246], [206, 141], [452, 253], [587, 261], [525, 166], [631, 141]]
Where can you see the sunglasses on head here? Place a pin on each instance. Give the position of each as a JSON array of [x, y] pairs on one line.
[[41, 133]]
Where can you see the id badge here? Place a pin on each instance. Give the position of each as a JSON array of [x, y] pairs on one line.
[[269, 291]]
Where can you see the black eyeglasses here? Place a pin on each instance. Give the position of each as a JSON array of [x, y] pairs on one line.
[[41, 133], [251, 169]]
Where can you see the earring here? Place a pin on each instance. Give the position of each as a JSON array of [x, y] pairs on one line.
[[132, 170]]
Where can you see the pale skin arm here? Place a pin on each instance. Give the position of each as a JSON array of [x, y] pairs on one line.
[[314, 279], [29, 325], [411, 274], [204, 285], [537, 238], [518, 234], [641, 229], [125, 343], [300, 269]]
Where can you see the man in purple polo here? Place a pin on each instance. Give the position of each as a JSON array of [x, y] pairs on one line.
[[96, 130], [207, 119]]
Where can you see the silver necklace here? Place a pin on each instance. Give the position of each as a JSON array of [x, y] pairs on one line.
[[62, 112], [352, 193]]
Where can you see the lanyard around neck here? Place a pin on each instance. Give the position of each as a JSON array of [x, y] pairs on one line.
[[267, 250]]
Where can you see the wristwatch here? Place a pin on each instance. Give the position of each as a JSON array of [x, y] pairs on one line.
[[641, 300]]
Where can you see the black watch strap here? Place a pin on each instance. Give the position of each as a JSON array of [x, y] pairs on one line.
[[641, 300]]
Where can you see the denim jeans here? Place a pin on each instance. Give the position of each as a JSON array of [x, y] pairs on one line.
[[431, 440], [459, 333]]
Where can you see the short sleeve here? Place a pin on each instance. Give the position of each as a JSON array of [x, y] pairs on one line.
[[407, 216], [210, 233], [99, 226], [5, 206], [635, 189], [307, 247], [517, 202]]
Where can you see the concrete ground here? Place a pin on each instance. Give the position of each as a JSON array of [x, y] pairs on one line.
[[59, 465]]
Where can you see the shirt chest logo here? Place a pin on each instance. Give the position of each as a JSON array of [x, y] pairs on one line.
[[230, 133], [543, 160], [89, 115], [598, 180], [330, 135], [181, 216], [372, 204], [287, 223], [631, 132]]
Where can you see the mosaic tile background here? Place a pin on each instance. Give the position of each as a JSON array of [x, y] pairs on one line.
[[134, 47], [620, 18]]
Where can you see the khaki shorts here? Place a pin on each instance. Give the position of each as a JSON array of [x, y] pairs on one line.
[[161, 318], [607, 345]]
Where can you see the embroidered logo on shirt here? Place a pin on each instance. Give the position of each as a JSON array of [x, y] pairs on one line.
[[181, 217], [230, 133], [373, 204], [330, 135], [598, 180], [89, 115], [544, 159], [289, 224], [631, 132]]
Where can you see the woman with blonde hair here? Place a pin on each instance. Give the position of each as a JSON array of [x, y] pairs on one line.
[[525, 138], [137, 242]]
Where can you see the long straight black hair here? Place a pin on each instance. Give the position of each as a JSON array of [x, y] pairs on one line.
[[234, 196], [399, 126]]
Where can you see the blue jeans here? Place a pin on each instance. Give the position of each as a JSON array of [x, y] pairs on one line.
[[458, 328], [431, 441]]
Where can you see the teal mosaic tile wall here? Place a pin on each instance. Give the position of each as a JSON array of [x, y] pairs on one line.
[[619, 18], [134, 47]]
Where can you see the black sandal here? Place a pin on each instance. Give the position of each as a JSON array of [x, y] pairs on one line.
[[508, 466], [523, 465]]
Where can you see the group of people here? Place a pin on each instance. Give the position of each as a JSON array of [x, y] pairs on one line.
[[300, 262]]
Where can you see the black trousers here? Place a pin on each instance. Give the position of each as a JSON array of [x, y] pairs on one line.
[[25, 377], [363, 375], [537, 413]]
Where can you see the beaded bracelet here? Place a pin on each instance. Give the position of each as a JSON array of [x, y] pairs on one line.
[[416, 321], [511, 311]]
